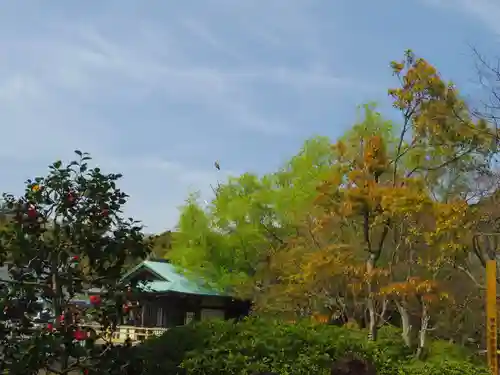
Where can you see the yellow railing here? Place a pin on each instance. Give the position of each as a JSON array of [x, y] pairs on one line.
[[136, 334]]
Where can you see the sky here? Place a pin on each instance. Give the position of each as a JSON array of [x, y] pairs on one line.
[[158, 90]]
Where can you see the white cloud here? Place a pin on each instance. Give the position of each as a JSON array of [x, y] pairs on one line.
[[71, 80], [486, 11]]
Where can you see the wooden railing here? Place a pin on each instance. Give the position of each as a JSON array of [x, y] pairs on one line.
[[136, 334]]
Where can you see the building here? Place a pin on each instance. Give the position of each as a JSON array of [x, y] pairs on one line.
[[169, 299]]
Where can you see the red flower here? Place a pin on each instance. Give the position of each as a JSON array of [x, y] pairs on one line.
[[80, 335], [71, 197], [95, 300], [32, 212]]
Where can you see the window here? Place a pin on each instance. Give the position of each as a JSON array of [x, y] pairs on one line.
[[209, 314], [189, 317]]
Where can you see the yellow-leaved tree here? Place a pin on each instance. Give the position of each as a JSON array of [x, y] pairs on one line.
[[395, 207]]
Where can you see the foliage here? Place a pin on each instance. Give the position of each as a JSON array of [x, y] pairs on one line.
[[67, 235], [379, 221], [445, 367], [232, 240], [390, 218], [161, 244], [258, 345], [225, 347], [164, 354]]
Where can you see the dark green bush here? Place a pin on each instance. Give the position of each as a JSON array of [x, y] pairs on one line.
[[164, 354], [443, 367], [225, 347], [439, 349], [301, 348]]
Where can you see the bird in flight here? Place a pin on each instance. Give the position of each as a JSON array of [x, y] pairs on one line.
[[217, 165]]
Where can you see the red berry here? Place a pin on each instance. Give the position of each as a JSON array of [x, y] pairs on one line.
[[50, 327]]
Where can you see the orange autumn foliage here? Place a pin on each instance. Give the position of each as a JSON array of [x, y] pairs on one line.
[[439, 117], [429, 290], [380, 229], [387, 186]]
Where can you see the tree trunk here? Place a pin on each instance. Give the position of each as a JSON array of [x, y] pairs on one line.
[[422, 334], [58, 307], [405, 323], [370, 300]]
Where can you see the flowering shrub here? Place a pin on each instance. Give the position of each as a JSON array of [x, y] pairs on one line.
[[64, 236]]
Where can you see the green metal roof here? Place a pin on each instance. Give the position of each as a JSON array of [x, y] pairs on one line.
[[170, 279]]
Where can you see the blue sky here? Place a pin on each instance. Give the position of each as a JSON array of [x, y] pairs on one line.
[[158, 90]]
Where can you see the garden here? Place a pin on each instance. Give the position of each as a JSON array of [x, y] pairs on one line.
[[367, 246]]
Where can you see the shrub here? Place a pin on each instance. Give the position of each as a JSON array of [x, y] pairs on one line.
[[439, 349], [257, 345], [441, 368], [164, 354], [64, 235], [301, 348]]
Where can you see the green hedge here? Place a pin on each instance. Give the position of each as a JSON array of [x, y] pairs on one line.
[[222, 347]]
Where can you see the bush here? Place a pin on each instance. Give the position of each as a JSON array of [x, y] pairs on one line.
[[164, 354], [302, 348], [441, 368], [226, 347], [439, 349]]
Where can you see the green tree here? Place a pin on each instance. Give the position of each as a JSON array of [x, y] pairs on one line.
[[67, 235], [231, 241], [162, 243]]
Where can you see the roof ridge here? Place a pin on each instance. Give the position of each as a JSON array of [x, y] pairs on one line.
[[158, 260]]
